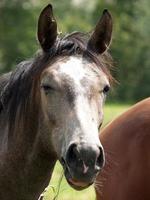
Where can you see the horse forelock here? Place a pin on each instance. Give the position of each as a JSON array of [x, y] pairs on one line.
[[20, 97]]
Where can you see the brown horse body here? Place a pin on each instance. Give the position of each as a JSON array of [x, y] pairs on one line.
[[51, 108], [126, 140]]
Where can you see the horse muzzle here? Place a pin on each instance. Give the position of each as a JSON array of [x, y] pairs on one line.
[[82, 163]]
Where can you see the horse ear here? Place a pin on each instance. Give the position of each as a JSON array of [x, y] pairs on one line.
[[47, 28], [101, 37]]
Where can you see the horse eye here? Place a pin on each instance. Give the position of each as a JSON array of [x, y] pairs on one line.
[[47, 88], [106, 89]]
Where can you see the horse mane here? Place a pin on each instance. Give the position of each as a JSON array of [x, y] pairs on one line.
[[17, 96]]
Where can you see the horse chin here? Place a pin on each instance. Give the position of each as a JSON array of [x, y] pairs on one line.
[[76, 184]]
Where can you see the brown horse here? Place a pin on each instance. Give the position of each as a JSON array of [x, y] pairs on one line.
[[126, 140], [51, 107]]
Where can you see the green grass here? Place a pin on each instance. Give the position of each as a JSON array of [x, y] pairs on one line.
[[113, 110], [66, 192]]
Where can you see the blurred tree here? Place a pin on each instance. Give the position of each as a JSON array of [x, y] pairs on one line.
[[131, 41], [72, 17], [18, 19], [131, 47], [17, 33], [142, 61]]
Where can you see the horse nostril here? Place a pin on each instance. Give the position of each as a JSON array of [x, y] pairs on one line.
[[101, 158], [83, 156], [72, 154]]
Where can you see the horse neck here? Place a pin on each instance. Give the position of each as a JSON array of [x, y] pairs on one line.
[[41, 160], [26, 180], [30, 167], [39, 169]]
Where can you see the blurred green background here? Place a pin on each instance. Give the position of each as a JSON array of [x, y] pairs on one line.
[[130, 46]]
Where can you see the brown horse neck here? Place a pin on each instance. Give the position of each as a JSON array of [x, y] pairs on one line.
[[26, 179], [26, 168], [38, 171], [126, 141]]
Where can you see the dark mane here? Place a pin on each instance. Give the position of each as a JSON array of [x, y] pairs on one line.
[[19, 92]]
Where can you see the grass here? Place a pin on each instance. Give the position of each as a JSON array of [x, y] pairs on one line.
[[66, 192]]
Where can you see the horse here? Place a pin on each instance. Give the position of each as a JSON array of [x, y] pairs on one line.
[[51, 108], [126, 140]]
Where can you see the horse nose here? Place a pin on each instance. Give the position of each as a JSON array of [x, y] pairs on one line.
[[85, 157]]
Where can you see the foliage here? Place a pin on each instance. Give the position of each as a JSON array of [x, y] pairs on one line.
[[130, 45], [17, 34]]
